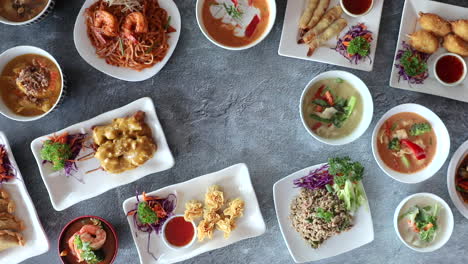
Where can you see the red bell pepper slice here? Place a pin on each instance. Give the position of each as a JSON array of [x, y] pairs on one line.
[[329, 98], [418, 152], [235, 2], [319, 92], [316, 126], [252, 26]]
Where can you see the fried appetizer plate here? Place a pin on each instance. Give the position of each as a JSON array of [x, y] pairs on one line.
[[66, 191], [235, 182], [88, 52], [36, 241], [409, 24], [325, 53], [360, 234]]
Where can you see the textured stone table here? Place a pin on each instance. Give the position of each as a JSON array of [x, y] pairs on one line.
[[219, 108]]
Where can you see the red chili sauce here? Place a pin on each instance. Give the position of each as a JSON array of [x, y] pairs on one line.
[[179, 232], [449, 69], [357, 7]]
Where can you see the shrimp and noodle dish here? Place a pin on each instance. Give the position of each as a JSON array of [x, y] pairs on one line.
[[129, 33]]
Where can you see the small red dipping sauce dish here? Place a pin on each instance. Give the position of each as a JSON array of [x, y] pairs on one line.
[[356, 8], [450, 69], [178, 233]]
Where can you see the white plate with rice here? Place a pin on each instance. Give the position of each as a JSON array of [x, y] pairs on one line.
[[360, 234]]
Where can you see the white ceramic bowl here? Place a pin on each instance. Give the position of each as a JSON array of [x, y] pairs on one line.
[[47, 9], [169, 245], [12, 53], [443, 144], [88, 52], [201, 25], [366, 98], [354, 15], [457, 158], [445, 219], [464, 69]]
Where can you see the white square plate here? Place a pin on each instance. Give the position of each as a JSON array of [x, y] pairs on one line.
[[37, 242], [66, 191], [235, 182], [290, 34], [88, 52], [360, 234], [409, 24]]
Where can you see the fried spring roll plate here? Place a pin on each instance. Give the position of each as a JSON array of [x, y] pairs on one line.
[[9, 239], [333, 14], [308, 13]]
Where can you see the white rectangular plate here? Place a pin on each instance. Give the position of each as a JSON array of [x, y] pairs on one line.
[[67, 191], [37, 242], [360, 234], [409, 24], [290, 34], [235, 182]]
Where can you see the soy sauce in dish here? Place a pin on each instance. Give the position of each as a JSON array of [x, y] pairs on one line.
[[449, 69], [179, 232], [357, 7]]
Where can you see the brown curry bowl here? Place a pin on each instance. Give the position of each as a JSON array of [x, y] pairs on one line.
[[111, 236]]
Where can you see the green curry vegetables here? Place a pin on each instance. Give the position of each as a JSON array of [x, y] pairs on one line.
[[423, 221], [331, 108]]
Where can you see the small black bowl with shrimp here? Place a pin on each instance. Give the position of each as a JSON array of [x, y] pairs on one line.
[[88, 239]]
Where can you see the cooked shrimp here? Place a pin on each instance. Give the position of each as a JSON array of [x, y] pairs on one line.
[[460, 28], [308, 13], [424, 41], [334, 29], [134, 23], [435, 24], [318, 13], [95, 235], [106, 22], [329, 17], [455, 44]]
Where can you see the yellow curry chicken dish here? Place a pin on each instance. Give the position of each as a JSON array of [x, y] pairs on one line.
[[125, 144]]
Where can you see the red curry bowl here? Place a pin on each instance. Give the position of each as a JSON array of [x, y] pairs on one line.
[[107, 224]]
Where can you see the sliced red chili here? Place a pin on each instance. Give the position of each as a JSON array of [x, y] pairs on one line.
[[235, 2], [316, 126], [319, 92], [252, 26], [418, 152]]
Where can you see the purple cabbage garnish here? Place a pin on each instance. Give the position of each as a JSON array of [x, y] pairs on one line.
[[316, 179], [7, 171], [418, 79], [359, 30]]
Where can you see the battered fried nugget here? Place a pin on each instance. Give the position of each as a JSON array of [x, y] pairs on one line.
[[424, 41], [435, 24], [460, 28], [455, 44]]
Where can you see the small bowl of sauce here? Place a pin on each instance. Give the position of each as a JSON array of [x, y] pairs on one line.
[[450, 69], [178, 233], [356, 8]]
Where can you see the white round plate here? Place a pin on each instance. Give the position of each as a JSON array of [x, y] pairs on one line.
[[88, 52], [443, 144], [366, 100], [461, 152], [445, 219]]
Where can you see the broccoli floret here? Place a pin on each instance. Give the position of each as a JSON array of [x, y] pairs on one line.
[[394, 144], [419, 129]]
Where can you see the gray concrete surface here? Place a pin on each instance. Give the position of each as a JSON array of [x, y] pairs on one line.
[[219, 108]]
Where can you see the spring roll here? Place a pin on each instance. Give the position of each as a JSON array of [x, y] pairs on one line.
[[9, 222], [329, 17], [308, 13], [318, 13], [6, 205], [334, 29], [9, 239]]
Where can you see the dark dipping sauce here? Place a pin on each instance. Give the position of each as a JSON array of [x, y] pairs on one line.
[[108, 249], [449, 69], [357, 7], [179, 232]]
